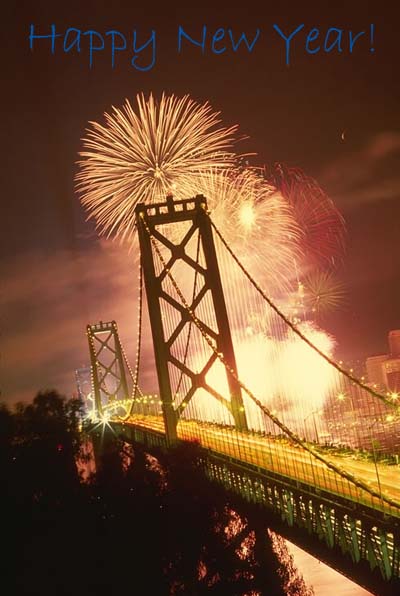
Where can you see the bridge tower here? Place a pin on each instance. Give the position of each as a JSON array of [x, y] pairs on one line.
[[153, 222], [107, 364]]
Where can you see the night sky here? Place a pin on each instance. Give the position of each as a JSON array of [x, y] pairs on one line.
[[57, 275]]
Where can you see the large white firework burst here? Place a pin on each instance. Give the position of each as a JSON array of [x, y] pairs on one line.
[[141, 156]]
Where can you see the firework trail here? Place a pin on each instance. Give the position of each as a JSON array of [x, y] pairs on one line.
[[140, 157]]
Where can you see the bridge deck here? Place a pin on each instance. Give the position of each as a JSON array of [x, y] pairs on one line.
[[280, 457]]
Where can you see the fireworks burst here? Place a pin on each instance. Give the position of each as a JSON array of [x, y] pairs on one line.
[[256, 221], [323, 292], [177, 145], [323, 226], [140, 157], [278, 372]]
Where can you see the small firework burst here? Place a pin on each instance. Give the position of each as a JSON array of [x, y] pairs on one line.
[[142, 156], [323, 292], [323, 227]]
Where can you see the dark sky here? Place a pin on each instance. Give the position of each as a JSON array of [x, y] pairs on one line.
[[56, 276]]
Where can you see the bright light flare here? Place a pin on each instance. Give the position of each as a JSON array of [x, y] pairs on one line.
[[308, 377], [105, 417], [247, 216], [288, 376]]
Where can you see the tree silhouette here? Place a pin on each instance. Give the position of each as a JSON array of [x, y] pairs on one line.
[[142, 524]]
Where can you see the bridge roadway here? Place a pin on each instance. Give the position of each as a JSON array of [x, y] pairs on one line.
[[285, 459]]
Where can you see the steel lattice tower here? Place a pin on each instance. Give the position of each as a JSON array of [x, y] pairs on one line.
[[153, 219], [107, 364]]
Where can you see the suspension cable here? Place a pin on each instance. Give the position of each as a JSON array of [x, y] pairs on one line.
[[135, 387], [293, 436], [135, 375]]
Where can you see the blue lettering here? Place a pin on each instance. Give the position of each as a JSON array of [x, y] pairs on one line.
[[288, 40], [182, 33], [336, 41], [138, 49], [250, 46], [372, 31], [93, 48], [114, 47], [76, 41], [352, 40], [52, 36], [218, 35], [312, 36]]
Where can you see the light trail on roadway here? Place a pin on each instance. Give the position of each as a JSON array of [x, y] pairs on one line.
[[279, 456]]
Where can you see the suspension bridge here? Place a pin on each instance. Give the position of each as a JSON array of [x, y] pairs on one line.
[[282, 424]]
